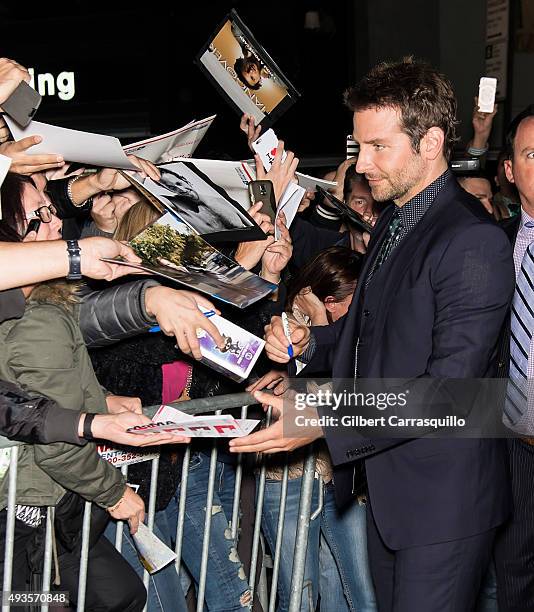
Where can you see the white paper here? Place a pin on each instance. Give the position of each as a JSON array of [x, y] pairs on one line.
[[168, 419], [153, 553], [5, 163], [310, 182], [289, 205], [178, 143], [119, 456], [74, 145]]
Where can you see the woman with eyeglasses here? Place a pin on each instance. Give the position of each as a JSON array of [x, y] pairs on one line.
[[38, 206], [44, 353]]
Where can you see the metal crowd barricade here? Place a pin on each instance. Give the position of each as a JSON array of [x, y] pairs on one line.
[[268, 592]]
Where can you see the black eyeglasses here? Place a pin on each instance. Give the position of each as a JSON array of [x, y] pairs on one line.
[[44, 213]]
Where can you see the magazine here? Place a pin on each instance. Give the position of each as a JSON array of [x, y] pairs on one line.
[[186, 191], [171, 249], [179, 143]]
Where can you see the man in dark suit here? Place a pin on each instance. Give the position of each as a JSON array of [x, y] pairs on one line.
[[514, 550], [434, 290]]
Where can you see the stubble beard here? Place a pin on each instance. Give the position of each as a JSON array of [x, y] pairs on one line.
[[397, 185]]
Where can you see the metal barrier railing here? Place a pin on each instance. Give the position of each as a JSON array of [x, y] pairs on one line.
[[213, 404]]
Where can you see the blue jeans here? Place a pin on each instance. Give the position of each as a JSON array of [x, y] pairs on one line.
[[227, 588], [164, 589], [344, 580]]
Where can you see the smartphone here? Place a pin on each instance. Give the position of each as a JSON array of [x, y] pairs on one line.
[[345, 211], [486, 94], [22, 104], [33, 226], [353, 148], [263, 191]]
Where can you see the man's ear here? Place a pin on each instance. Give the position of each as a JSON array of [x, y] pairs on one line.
[[508, 170], [431, 145]]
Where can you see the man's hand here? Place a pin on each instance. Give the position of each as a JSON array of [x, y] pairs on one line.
[[248, 254], [276, 343], [340, 176], [26, 163], [482, 124], [123, 403], [5, 134], [306, 201], [177, 313], [131, 508], [281, 172], [248, 126], [274, 439], [92, 249], [357, 242], [112, 427], [277, 254], [110, 179], [11, 75], [309, 304], [275, 380], [108, 210]]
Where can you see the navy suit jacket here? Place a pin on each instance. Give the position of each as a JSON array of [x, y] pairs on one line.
[[433, 309]]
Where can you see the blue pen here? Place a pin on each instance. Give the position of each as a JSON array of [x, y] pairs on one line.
[[209, 313], [287, 333]]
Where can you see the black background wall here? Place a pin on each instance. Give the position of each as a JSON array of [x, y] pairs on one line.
[[135, 76]]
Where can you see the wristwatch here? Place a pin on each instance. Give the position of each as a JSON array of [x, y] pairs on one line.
[[75, 268]]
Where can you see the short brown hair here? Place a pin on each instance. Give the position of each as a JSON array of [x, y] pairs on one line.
[[423, 95], [333, 271]]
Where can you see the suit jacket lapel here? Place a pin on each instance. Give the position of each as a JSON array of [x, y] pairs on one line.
[[392, 271], [347, 338]]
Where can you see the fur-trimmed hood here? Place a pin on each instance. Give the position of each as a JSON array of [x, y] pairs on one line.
[[60, 293]]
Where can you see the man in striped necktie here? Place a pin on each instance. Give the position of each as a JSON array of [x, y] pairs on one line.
[[514, 552]]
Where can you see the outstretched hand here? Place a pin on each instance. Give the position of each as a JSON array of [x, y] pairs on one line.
[[249, 127], [28, 163], [177, 313], [276, 438]]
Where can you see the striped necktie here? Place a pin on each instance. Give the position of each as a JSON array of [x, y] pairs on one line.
[[521, 329]]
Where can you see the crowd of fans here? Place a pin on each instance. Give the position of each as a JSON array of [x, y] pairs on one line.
[[77, 365]]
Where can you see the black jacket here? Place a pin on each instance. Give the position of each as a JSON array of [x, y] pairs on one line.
[[433, 310], [35, 420], [510, 227], [309, 240]]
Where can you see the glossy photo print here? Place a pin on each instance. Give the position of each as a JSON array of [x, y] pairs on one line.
[[245, 73]]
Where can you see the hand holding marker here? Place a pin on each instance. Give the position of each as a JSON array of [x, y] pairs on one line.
[[287, 333]]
